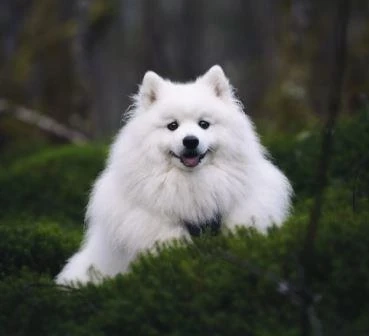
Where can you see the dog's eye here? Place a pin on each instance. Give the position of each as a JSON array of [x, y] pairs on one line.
[[204, 124], [172, 126]]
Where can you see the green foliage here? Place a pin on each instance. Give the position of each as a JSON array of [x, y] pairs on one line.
[[195, 289], [218, 285], [298, 156], [53, 183], [41, 247], [342, 268]]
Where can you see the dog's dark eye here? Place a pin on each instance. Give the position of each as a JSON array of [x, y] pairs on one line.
[[204, 124], [172, 126]]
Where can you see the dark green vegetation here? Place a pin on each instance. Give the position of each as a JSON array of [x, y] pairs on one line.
[[196, 289]]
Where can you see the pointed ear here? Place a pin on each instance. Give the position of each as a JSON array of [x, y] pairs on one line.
[[217, 80], [149, 89]]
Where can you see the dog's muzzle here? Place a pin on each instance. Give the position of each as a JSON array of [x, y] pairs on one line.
[[190, 158]]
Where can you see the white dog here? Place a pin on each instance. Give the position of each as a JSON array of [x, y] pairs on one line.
[[187, 158]]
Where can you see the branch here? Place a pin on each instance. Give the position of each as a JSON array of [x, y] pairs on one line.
[[42, 122], [334, 106]]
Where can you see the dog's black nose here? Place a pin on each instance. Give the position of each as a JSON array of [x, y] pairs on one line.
[[190, 142]]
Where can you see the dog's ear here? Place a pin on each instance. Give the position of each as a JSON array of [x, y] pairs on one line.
[[217, 80], [149, 89]]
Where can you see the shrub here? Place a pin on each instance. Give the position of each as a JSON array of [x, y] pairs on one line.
[[298, 156], [195, 289], [41, 247], [54, 183], [185, 290]]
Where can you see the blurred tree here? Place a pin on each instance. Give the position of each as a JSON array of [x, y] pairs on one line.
[[46, 67], [78, 61], [190, 38]]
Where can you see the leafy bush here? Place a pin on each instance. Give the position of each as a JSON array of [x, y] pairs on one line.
[[54, 183], [196, 289], [41, 247], [298, 156]]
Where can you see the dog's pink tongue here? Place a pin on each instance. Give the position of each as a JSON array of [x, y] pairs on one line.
[[191, 161]]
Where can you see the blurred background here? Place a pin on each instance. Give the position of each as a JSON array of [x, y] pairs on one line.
[[78, 61]]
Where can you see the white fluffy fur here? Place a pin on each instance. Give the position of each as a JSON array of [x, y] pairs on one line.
[[145, 194]]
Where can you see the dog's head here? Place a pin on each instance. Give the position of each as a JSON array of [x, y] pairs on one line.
[[189, 125]]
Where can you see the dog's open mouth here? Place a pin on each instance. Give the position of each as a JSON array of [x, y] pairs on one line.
[[190, 158]]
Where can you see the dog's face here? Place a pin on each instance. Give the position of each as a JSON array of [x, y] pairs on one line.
[[188, 125], [188, 139]]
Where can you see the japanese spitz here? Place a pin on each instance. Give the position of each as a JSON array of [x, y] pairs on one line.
[[188, 157]]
